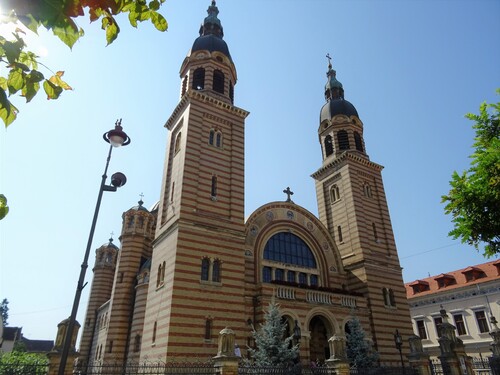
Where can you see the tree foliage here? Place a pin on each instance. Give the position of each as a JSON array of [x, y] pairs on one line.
[[272, 347], [4, 311], [358, 349], [23, 363], [59, 16], [4, 209], [474, 197]]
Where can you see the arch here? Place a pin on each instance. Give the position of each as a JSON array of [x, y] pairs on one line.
[[205, 267], [320, 332], [199, 79], [334, 193], [328, 145], [289, 248], [343, 140], [358, 142], [218, 81]]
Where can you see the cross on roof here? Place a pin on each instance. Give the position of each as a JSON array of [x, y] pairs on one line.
[[289, 193], [329, 58]]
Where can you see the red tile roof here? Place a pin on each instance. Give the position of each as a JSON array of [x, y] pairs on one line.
[[489, 270]]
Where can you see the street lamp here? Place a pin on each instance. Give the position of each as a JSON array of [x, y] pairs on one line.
[[398, 340], [115, 137]]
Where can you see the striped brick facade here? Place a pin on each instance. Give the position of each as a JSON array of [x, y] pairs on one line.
[[197, 266]]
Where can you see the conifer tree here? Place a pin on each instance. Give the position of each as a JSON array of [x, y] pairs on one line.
[[272, 347], [359, 351]]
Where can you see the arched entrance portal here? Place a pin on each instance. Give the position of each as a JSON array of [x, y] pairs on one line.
[[320, 331]]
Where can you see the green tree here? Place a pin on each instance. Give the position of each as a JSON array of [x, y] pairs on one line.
[[272, 347], [4, 311], [359, 351], [17, 362], [474, 198], [59, 16]]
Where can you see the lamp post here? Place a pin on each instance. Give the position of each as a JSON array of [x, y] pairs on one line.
[[398, 340], [115, 137]]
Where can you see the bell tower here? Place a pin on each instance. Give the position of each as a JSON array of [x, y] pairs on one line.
[[353, 206], [198, 255]]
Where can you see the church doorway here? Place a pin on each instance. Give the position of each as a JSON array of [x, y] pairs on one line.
[[320, 330]]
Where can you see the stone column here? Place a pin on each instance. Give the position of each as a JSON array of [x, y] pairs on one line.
[[338, 360], [54, 355], [418, 358], [225, 362]]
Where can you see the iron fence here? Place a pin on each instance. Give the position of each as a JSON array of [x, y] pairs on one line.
[[384, 370], [135, 368], [248, 369]]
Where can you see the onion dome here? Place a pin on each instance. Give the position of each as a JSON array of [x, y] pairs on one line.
[[139, 207], [109, 245], [334, 94], [211, 33]]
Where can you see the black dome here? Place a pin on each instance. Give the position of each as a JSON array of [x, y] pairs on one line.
[[337, 107], [211, 43]]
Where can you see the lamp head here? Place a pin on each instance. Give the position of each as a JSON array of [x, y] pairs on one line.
[[117, 137], [118, 179]]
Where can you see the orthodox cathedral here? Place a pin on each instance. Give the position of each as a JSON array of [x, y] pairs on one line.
[[192, 265]]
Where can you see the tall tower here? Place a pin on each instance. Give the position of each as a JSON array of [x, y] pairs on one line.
[[198, 255], [353, 206], [100, 291], [137, 233]]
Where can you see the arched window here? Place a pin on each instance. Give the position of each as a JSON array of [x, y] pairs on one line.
[[328, 145], [205, 266], [334, 193], [213, 190], [199, 79], [208, 329], [218, 139], [211, 137], [339, 231], [343, 140], [218, 82], [163, 272], [367, 190], [392, 299], [288, 248], [375, 235], [154, 332], [358, 142], [158, 278], [184, 85], [216, 270], [137, 343]]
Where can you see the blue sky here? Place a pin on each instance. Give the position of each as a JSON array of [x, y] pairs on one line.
[[411, 68]]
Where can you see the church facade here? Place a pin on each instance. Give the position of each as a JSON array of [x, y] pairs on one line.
[[193, 265]]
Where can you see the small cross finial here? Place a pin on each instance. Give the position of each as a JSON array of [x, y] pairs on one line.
[[329, 60], [141, 201], [289, 193], [111, 237]]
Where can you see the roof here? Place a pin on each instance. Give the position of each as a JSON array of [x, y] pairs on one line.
[[11, 333], [38, 346], [470, 275]]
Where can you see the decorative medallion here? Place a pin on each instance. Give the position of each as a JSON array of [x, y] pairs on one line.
[[270, 215], [310, 226], [290, 214], [254, 230], [333, 269], [325, 246], [248, 253]]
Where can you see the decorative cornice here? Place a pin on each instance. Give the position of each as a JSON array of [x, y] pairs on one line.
[[338, 162], [195, 94]]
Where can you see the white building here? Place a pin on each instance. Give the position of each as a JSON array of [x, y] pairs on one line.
[[470, 296]]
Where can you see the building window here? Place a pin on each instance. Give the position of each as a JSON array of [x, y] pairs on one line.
[[278, 274], [158, 276], [343, 140], [215, 138], [216, 265], [328, 145], [334, 193], [286, 247], [438, 321], [211, 137], [208, 329], [421, 329], [218, 140], [205, 266], [137, 343], [339, 232], [290, 276], [110, 347], [367, 190], [213, 189], [358, 142], [154, 332], [199, 79], [389, 299], [218, 82], [266, 274], [482, 322], [460, 324], [302, 278], [177, 146], [314, 280], [375, 235], [392, 299]]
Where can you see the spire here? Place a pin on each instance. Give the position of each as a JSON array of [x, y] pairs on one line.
[[333, 88], [211, 24]]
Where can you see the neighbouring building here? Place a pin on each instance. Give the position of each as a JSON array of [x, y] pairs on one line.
[[13, 336], [192, 265], [470, 296]]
